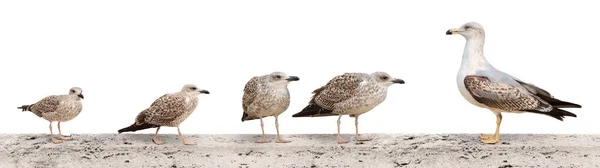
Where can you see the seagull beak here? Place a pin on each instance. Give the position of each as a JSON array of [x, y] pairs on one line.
[[80, 96], [293, 78], [204, 91], [452, 31], [399, 81]]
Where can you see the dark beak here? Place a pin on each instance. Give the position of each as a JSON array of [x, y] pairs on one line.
[[293, 78], [448, 32], [80, 96], [205, 91], [399, 81]]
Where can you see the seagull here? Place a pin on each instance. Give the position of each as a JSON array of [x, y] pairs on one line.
[[265, 96], [484, 86], [60, 108], [168, 110], [349, 94]]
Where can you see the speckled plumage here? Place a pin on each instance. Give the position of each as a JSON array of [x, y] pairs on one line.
[[264, 96], [350, 93], [504, 97], [168, 110], [60, 108]]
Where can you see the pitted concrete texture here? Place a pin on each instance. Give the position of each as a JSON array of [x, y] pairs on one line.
[[386, 150]]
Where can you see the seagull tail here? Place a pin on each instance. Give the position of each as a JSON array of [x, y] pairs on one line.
[[134, 127], [557, 113], [247, 117], [24, 108], [313, 110], [559, 103]]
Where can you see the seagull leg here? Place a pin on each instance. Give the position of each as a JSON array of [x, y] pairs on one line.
[[183, 139], [156, 141], [263, 139], [356, 124], [496, 137], [52, 135], [60, 136], [340, 140], [279, 140]]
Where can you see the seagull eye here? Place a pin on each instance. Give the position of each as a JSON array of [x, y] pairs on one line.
[[193, 88], [384, 77], [278, 76], [467, 27]]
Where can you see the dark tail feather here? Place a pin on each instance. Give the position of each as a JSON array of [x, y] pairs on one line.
[[559, 103], [134, 127], [557, 113], [24, 107], [246, 117], [313, 110], [562, 104]]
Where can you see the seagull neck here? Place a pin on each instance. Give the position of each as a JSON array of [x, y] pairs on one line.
[[473, 58]]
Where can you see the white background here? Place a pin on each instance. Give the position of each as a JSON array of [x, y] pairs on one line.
[[125, 54]]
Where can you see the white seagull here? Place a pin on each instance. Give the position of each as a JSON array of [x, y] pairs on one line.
[[483, 85]]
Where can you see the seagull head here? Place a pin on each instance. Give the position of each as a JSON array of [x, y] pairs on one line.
[[468, 30], [193, 90], [280, 79], [76, 91], [385, 79]]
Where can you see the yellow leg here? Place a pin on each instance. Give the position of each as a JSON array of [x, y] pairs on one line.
[[264, 138], [340, 140], [356, 124], [60, 136], [54, 140], [156, 141], [183, 139], [279, 140], [492, 139]]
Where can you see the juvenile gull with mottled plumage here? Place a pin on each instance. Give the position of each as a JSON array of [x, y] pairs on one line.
[[169, 110], [483, 85], [265, 96], [349, 94], [60, 108]]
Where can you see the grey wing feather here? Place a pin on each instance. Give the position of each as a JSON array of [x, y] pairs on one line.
[[534, 89], [497, 76], [503, 96]]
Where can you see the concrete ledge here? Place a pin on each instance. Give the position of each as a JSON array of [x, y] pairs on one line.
[[386, 150]]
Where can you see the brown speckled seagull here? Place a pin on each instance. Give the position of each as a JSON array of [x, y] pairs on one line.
[[349, 94], [485, 86], [265, 96], [169, 110], [60, 108]]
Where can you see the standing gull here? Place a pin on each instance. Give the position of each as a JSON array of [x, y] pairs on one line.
[[169, 110], [60, 108], [483, 85], [349, 94], [265, 96]]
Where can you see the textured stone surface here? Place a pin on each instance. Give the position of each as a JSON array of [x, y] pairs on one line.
[[386, 150]]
